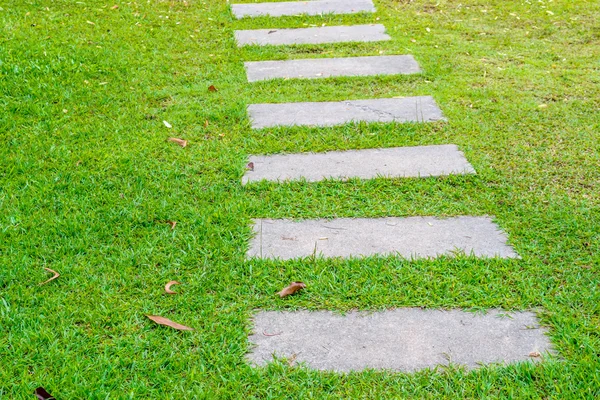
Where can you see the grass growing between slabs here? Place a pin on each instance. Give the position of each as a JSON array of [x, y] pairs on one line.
[[87, 181]]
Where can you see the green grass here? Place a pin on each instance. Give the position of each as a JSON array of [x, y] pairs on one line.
[[87, 180]]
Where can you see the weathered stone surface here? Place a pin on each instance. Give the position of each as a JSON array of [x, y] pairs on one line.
[[314, 7], [406, 339], [314, 68], [407, 109], [412, 237], [419, 161], [325, 34]]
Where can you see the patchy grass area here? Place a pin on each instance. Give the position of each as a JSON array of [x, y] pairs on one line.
[[87, 181]]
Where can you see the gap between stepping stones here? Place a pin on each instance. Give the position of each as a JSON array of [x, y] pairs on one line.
[[418, 161], [329, 67], [326, 34], [411, 237], [406, 109], [291, 8], [406, 339]]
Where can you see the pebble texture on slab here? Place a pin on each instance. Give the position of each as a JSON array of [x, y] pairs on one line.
[[407, 339], [325, 34], [407, 109], [314, 68], [419, 161], [412, 237], [314, 7]]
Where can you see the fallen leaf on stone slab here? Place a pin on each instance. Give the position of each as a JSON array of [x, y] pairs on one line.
[[180, 142], [291, 289], [167, 322], [168, 287], [56, 275], [212, 88], [42, 394], [534, 354], [168, 125], [250, 166]]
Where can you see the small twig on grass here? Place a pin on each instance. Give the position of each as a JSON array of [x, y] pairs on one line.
[[56, 275]]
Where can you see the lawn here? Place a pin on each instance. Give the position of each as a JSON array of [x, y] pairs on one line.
[[88, 181]]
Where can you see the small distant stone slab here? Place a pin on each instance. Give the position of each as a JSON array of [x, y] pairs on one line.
[[315, 7], [412, 237], [328, 67], [420, 161], [407, 339], [407, 109], [325, 34]]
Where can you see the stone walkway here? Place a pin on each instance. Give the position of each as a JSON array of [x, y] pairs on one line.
[[397, 162], [402, 339]]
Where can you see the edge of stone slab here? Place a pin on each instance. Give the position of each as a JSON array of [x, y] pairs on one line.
[[241, 15]]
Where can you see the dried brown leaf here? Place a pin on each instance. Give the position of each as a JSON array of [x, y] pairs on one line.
[[172, 223], [206, 123], [180, 142], [168, 287], [114, 7], [534, 354], [250, 166], [42, 394], [212, 88], [167, 322], [56, 275], [291, 289]]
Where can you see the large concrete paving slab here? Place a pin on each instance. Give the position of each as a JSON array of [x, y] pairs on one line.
[[314, 7], [314, 68], [325, 34], [407, 109], [419, 161], [407, 339], [412, 237]]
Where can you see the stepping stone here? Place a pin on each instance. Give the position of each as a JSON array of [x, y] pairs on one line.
[[328, 67], [407, 339], [407, 109], [421, 161], [316, 7], [326, 34], [412, 237]]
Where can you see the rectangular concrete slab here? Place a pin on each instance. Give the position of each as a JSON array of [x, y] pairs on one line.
[[325, 34], [407, 109], [328, 67], [420, 161], [314, 7], [407, 339], [412, 237]]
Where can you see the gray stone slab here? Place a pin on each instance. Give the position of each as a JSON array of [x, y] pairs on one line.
[[407, 339], [407, 109], [412, 237], [314, 68], [315, 7], [419, 161], [325, 34]]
